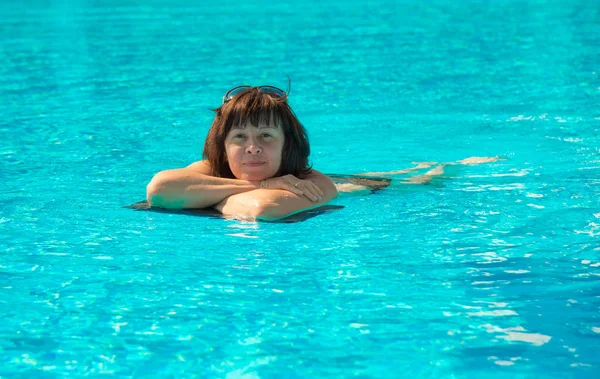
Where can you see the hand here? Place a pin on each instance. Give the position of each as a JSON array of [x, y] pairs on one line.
[[290, 183]]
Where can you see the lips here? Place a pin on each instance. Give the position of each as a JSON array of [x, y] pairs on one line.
[[254, 163]]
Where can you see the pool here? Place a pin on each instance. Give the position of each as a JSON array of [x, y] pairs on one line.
[[491, 271]]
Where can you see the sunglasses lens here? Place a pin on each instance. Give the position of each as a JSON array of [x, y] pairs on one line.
[[272, 91], [234, 91]]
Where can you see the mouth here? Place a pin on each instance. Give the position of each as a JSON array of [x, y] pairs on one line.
[[254, 164]]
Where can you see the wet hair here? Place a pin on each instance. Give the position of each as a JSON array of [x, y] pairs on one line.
[[255, 106]]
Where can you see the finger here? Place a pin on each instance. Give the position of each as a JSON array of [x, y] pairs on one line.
[[292, 188], [290, 179], [317, 191], [306, 192], [320, 190], [310, 196], [296, 190], [313, 195]]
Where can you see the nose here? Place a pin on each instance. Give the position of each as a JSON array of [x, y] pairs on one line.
[[253, 148]]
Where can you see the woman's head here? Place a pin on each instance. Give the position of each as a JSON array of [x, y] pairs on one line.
[[256, 135]]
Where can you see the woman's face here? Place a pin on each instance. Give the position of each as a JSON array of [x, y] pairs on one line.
[[254, 153]]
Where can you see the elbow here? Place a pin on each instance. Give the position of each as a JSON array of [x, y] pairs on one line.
[[156, 191], [153, 190]]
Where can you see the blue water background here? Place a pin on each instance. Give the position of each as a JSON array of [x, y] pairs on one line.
[[492, 272]]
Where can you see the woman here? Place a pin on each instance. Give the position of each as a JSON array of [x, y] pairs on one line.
[[255, 162]]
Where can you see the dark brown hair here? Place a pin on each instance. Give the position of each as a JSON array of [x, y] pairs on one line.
[[255, 106]]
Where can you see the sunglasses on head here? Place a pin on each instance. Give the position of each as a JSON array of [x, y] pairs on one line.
[[273, 91]]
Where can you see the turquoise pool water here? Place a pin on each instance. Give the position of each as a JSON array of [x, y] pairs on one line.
[[492, 272]]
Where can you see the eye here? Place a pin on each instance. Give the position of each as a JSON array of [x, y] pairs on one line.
[[239, 136], [266, 135]]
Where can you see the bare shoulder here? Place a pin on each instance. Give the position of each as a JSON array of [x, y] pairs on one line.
[[202, 167], [318, 176]]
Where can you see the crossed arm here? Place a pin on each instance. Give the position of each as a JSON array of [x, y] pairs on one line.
[[194, 187]]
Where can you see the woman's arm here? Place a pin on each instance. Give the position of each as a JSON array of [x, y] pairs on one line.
[[193, 187], [276, 203]]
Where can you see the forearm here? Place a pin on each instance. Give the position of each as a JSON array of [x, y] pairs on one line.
[[179, 189], [274, 204], [265, 204]]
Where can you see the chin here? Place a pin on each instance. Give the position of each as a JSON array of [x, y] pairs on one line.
[[254, 174]]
